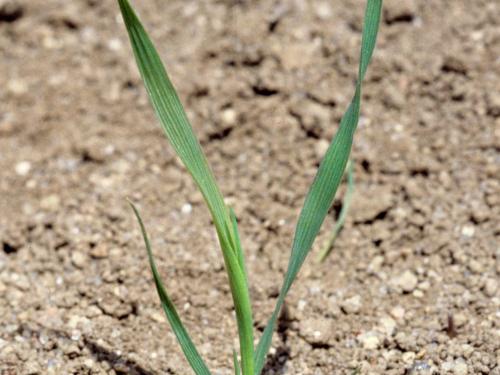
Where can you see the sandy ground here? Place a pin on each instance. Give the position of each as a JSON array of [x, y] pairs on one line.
[[412, 286]]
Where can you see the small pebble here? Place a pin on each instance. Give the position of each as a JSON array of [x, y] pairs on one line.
[[23, 168], [17, 87], [157, 316], [114, 306], [78, 259], [316, 330], [460, 368], [32, 367], [408, 357], [229, 116], [50, 202], [388, 325], [115, 44], [459, 319], [446, 367], [407, 281], [76, 335], [475, 266], [323, 10], [491, 287], [301, 305], [89, 363], [420, 368], [418, 294], [405, 342], [99, 252], [320, 148], [468, 231], [369, 340], [352, 305], [376, 264], [186, 208], [93, 311]]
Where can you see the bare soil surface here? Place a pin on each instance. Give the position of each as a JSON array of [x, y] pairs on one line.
[[412, 286]]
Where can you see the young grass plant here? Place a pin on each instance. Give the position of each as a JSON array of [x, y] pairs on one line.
[[179, 132]]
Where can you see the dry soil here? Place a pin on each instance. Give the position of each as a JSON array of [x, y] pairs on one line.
[[412, 286]]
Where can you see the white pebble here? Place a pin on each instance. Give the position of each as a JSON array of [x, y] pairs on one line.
[[323, 10], [302, 305], [229, 116], [468, 231], [408, 357], [460, 368], [23, 168], [388, 325], [320, 148], [78, 259], [490, 287], [369, 340], [115, 44], [17, 87], [50, 202], [352, 305], [186, 208], [407, 281], [398, 313]]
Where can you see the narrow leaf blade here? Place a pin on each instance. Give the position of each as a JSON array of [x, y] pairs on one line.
[[346, 203], [236, 364], [172, 116], [326, 182], [237, 245], [179, 132], [187, 345]]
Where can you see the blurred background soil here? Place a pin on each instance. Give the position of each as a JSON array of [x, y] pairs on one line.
[[412, 286]]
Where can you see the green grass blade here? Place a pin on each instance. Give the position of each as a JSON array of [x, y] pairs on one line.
[[326, 182], [237, 245], [179, 132], [346, 203], [237, 370], [241, 297], [192, 355], [172, 116]]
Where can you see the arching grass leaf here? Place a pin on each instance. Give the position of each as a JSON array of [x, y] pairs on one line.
[[326, 182], [179, 132], [192, 355]]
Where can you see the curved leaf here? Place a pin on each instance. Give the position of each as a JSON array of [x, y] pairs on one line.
[[179, 132], [192, 355], [326, 182]]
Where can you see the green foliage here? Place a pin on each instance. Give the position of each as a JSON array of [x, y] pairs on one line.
[[236, 364], [326, 182], [179, 132], [182, 335], [346, 203]]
